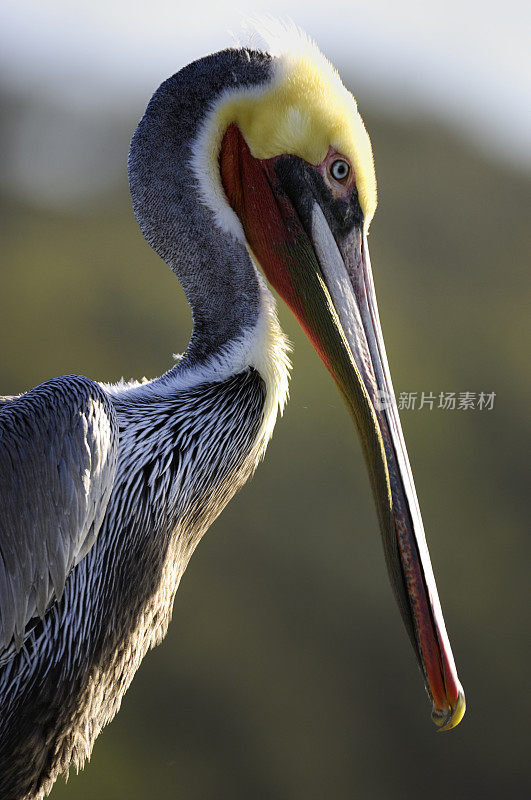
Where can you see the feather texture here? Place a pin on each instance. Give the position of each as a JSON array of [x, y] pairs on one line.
[[181, 458], [58, 449]]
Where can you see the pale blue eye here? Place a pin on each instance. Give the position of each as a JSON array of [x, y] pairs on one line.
[[339, 169]]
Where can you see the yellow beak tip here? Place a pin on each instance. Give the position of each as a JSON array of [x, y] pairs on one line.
[[446, 719]]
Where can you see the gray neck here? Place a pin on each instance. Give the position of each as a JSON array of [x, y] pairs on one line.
[[215, 270]]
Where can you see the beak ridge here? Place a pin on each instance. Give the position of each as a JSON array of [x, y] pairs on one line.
[[348, 277]]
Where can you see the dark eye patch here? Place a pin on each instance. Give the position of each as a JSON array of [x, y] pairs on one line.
[[304, 185]]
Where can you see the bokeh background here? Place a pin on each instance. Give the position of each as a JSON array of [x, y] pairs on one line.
[[286, 673]]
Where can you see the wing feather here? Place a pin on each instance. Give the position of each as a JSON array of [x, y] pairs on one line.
[[58, 451]]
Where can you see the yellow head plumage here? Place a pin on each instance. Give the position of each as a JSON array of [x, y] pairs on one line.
[[303, 111]]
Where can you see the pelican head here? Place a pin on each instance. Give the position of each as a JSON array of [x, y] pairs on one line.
[[285, 164]]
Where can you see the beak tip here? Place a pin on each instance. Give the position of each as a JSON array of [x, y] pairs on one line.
[[447, 718]]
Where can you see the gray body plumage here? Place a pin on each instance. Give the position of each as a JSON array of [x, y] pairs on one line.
[[107, 491], [58, 448]]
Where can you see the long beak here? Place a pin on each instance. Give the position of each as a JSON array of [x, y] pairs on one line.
[[330, 289], [348, 277]]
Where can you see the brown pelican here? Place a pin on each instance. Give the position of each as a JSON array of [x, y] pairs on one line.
[[246, 162]]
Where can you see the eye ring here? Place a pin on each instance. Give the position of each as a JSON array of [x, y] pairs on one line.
[[339, 169]]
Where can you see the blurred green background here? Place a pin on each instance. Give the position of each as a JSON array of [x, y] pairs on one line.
[[286, 673]]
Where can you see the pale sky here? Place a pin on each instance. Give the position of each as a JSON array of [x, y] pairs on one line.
[[463, 60]]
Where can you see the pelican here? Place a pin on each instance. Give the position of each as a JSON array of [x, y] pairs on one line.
[[250, 167]]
